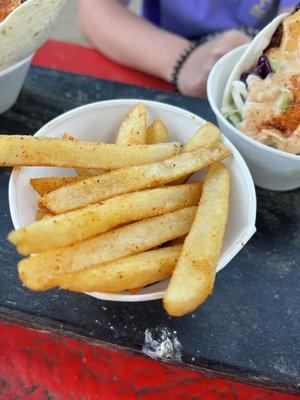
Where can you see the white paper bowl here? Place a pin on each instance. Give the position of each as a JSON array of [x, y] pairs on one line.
[[11, 82], [271, 168], [100, 121]]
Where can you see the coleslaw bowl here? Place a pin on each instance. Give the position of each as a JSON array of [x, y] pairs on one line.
[[270, 168]]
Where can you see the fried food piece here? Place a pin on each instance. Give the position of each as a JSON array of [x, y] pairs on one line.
[[46, 185], [132, 179], [16, 150], [133, 128], [194, 275], [129, 273], [84, 171], [157, 132], [39, 272], [40, 214], [66, 229], [207, 135], [287, 122]]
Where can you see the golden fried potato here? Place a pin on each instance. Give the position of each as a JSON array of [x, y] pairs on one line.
[[157, 133], [45, 151], [194, 275], [40, 214], [84, 171], [66, 229], [133, 128], [129, 273], [46, 185], [39, 272], [207, 135], [127, 180]]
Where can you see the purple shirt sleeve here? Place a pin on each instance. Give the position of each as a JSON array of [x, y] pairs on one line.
[[287, 4], [195, 18]]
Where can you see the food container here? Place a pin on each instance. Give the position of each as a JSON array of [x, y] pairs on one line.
[[11, 82], [26, 28], [100, 121], [22, 32], [270, 168]]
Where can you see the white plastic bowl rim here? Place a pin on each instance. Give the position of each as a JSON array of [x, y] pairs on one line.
[[248, 232], [227, 123], [15, 66]]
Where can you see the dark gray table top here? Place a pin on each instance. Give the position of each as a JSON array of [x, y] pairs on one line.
[[248, 330]]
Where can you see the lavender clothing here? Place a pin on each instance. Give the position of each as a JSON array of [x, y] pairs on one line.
[[195, 18]]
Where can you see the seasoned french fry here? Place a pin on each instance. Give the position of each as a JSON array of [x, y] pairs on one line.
[[44, 151], [38, 272], [127, 180], [176, 241], [90, 171], [135, 290], [40, 214], [194, 274], [132, 273], [133, 129], [84, 171], [67, 136], [157, 133], [207, 135], [46, 185], [66, 229]]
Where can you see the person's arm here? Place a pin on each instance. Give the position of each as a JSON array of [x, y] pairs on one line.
[[134, 42], [128, 39]]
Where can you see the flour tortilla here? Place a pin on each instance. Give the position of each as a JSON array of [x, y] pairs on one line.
[[25, 29], [249, 59]]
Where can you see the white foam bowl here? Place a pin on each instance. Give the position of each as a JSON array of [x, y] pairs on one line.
[[100, 121], [11, 82], [271, 168]]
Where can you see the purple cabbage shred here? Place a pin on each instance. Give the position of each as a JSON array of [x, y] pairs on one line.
[[263, 69]]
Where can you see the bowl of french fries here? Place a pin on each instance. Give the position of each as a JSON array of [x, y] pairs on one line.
[[128, 201]]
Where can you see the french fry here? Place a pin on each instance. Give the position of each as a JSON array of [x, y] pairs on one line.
[[127, 180], [68, 136], [38, 272], [40, 214], [194, 274], [133, 128], [130, 273], [44, 151], [66, 229], [135, 290], [89, 171], [207, 135], [84, 171], [46, 185], [132, 131], [176, 241], [157, 133]]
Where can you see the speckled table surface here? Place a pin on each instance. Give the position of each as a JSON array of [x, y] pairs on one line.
[[248, 330]]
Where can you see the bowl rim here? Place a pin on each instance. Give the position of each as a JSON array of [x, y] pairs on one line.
[[244, 237], [217, 112], [17, 65]]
